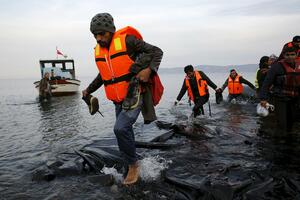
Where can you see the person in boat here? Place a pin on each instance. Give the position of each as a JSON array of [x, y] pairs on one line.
[[235, 85], [196, 83], [122, 56], [52, 77], [284, 76], [45, 87], [264, 66], [294, 43]]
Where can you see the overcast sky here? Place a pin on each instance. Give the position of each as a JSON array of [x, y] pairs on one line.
[[189, 32]]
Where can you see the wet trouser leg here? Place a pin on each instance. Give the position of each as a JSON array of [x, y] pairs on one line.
[[124, 131], [285, 111], [232, 96], [198, 108]]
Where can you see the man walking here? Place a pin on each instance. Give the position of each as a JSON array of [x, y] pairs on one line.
[[116, 56], [234, 83], [196, 83]]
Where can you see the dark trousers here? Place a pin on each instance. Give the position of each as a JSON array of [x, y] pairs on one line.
[[199, 102], [124, 131], [234, 96], [44, 96], [285, 111]]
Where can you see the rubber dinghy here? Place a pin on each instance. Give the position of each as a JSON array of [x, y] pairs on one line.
[[97, 158]]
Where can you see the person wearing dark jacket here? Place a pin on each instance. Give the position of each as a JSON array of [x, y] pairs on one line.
[[196, 84], [45, 87], [284, 77], [234, 83], [122, 56], [294, 43], [264, 66]]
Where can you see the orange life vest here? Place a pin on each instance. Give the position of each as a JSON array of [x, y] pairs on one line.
[[114, 64], [290, 80], [290, 44], [202, 86], [234, 86]]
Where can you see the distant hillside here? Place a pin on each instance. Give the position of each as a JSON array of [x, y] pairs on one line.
[[213, 68]]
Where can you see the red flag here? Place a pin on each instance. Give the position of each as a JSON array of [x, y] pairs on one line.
[[58, 52]]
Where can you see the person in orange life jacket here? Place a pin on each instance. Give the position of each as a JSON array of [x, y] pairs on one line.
[[294, 43], [115, 55], [284, 77], [196, 84], [235, 87]]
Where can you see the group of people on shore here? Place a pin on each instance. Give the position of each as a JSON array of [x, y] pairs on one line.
[[277, 81], [128, 69], [280, 84], [197, 82]]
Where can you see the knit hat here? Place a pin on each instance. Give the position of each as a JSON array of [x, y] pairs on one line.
[[273, 57], [296, 38], [102, 22], [188, 68]]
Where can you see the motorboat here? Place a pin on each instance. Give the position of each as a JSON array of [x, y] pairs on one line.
[[62, 76]]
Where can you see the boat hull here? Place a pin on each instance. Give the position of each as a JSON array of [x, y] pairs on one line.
[[62, 87]]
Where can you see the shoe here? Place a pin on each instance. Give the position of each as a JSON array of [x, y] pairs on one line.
[[132, 175], [92, 103], [94, 107], [133, 95], [219, 97]]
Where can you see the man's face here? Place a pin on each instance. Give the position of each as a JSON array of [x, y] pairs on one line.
[[290, 57], [103, 38], [47, 75], [233, 74], [190, 74], [270, 61], [296, 44]]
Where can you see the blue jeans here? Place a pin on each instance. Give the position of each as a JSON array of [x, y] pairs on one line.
[[124, 131]]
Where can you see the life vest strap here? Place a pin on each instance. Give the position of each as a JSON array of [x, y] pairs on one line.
[[100, 59], [125, 77], [112, 56]]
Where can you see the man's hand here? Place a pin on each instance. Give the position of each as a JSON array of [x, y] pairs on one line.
[[263, 103], [84, 93], [219, 90], [175, 103], [144, 75]]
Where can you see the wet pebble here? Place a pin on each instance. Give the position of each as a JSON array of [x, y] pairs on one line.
[[114, 188], [248, 142]]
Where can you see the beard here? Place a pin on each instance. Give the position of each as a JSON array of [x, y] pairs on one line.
[[103, 44]]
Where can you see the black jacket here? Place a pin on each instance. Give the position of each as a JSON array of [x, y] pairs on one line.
[[194, 86], [276, 70], [260, 77], [144, 55], [138, 50]]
